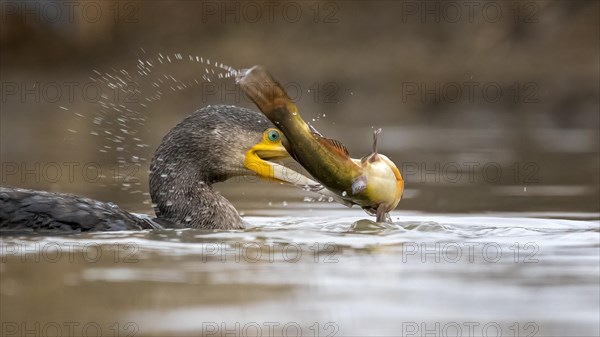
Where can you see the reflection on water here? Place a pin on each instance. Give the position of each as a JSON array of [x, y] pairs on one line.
[[331, 274]]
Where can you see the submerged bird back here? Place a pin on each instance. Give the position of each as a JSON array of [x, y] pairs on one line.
[[23, 210]]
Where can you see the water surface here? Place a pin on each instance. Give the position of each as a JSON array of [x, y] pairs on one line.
[[326, 272]]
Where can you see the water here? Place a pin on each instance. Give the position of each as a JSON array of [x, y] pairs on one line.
[[331, 273], [123, 97], [315, 268], [367, 279]]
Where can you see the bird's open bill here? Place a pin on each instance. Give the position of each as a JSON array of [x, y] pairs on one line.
[[372, 182], [259, 159]]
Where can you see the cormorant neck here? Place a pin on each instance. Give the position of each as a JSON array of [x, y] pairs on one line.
[[206, 147], [181, 195]]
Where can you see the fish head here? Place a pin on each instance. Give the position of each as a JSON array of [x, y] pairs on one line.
[[384, 183]]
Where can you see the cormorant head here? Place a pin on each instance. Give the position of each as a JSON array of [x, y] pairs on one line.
[[211, 145]]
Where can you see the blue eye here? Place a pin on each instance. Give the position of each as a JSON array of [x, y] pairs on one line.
[[273, 135]]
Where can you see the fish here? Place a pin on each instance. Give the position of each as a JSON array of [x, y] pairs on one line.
[[372, 182]]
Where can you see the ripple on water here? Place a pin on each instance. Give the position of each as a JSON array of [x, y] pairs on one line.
[[351, 271], [357, 232]]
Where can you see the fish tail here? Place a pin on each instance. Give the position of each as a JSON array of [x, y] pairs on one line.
[[268, 95]]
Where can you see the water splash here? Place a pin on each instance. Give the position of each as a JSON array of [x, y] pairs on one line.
[[126, 93]]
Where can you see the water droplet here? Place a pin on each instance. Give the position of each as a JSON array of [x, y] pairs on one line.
[[344, 194], [330, 199], [270, 203], [284, 203], [169, 203]]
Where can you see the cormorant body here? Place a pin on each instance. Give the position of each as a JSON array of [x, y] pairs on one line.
[[208, 146]]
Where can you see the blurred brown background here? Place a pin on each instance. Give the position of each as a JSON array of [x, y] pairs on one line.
[[485, 106]]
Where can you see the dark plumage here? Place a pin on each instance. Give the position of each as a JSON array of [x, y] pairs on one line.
[[206, 147], [24, 210]]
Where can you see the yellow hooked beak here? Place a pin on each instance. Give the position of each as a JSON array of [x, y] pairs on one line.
[[257, 159]]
